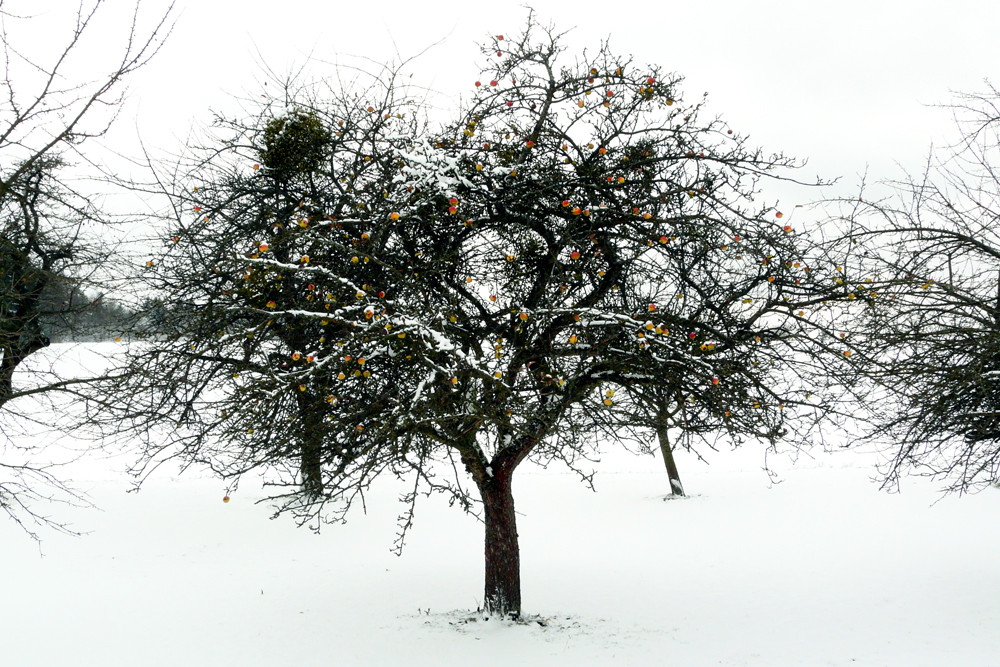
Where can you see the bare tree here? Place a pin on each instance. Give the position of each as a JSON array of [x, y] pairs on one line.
[[49, 227], [934, 346]]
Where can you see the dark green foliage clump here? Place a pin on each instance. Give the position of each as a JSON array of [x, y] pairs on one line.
[[294, 144]]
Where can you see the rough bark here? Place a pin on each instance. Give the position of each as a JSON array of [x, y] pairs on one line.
[[7, 366], [676, 488], [311, 448], [503, 565], [11, 358]]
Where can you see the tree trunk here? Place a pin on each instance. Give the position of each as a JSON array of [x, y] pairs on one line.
[[676, 489], [311, 448], [311, 469], [7, 366], [503, 561]]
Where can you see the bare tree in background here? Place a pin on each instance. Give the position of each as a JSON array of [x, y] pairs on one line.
[[50, 248], [934, 348]]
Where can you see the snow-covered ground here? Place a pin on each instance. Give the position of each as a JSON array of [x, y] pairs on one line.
[[821, 569]]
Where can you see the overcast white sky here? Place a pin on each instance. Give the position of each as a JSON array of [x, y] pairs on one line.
[[845, 84]]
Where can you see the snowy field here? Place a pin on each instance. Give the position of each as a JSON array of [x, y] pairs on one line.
[[820, 569]]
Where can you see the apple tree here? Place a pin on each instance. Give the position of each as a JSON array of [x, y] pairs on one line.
[[356, 292]]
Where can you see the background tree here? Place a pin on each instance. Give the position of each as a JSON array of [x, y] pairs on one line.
[[49, 227], [934, 246], [255, 272], [353, 295]]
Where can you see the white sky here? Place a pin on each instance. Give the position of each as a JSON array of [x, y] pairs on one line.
[[847, 85]]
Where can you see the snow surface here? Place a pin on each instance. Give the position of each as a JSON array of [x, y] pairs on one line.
[[820, 569]]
